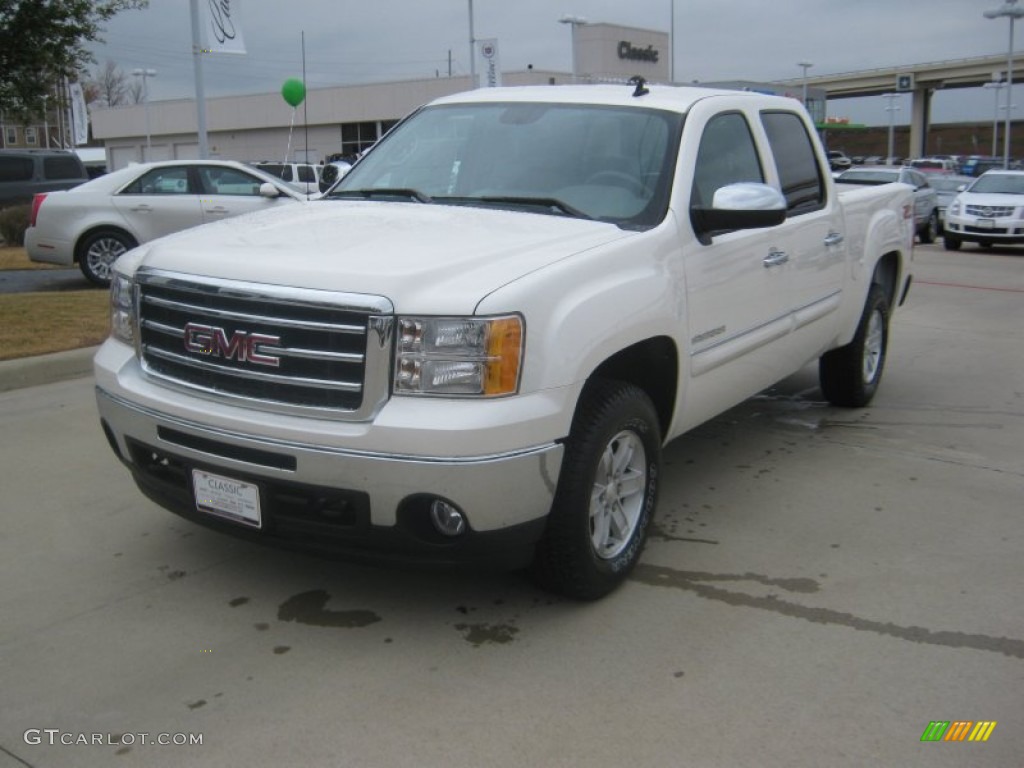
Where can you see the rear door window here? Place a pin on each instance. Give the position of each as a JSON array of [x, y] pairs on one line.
[[160, 181], [62, 167], [797, 164]]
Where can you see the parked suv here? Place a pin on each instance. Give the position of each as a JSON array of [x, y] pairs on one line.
[[302, 177], [24, 172], [989, 212]]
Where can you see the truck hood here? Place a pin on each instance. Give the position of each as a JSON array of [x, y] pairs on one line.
[[424, 258]]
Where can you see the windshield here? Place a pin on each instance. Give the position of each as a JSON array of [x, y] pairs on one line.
[[999, 183], [608, 163]]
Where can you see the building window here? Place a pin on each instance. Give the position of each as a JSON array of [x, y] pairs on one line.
[[358, 137], [30, 135], [12, 135]]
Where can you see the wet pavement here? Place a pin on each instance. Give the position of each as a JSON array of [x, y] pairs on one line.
[[820, 586]]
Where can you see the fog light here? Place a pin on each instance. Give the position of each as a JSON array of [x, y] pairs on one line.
[[447, 519]]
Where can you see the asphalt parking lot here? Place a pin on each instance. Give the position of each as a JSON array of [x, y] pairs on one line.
[[820, 586]]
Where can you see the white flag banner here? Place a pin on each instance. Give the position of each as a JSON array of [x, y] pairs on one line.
[[488, 68], [218, 26], [79, 115]]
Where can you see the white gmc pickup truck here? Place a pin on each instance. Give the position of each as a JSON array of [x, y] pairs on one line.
[[474, 348]]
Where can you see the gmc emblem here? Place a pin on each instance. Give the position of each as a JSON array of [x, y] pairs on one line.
[[210, 341]]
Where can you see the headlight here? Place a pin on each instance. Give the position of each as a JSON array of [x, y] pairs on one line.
[[954, 208], [122, 308], [458, 355]]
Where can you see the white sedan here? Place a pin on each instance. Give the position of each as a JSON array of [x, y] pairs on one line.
[[94, 223]]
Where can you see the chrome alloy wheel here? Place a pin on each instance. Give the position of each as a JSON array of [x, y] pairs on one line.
[[102, 254], [617, 498], [874, 347]]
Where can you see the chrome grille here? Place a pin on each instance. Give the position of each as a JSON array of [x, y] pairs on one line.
[[266, 346], [990, 211]]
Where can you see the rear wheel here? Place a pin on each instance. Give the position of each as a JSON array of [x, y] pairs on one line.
[[930, 230], [98, 252], [606, 493], [850, 375]]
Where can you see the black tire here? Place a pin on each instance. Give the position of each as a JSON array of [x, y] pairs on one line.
[[99, 250], [849, 376], [986, 245], [606, 494], [930, 230], [951, 243]]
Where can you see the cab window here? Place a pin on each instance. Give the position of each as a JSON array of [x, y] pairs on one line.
[[727, 155]]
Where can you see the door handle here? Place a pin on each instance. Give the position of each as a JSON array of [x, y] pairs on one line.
[[141, 209], [775, 258], [833, 238]]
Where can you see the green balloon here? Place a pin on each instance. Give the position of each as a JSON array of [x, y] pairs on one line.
[[293, 91]]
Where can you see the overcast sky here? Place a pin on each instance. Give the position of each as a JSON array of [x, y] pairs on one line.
[[760, 40]]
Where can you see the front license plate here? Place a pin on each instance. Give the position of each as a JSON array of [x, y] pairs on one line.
[[985, 224], [227, 497]]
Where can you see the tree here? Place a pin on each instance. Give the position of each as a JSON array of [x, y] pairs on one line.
[[44, 41], [111, 85]]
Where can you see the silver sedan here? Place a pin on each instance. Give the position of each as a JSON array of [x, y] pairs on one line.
[[96, 222]]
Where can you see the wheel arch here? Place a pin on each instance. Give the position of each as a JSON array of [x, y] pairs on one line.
[[887, 275], [653, 366], [94, 230]]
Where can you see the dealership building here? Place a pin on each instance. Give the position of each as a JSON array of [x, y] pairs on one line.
[[345, 120]]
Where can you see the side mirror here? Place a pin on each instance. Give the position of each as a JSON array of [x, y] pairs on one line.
[[745, 205], [269, 190]]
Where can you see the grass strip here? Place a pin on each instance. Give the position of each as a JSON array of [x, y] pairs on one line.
[[40, 323], [14, 257]]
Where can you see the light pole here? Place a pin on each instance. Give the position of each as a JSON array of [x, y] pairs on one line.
[[573, 21], [995, 85], [672, 42], [472, 49], [1011, 11], [892, 109], [46, 119], [145, 74], [805, 65]]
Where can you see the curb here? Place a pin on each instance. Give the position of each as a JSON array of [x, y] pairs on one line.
[[44, 369]]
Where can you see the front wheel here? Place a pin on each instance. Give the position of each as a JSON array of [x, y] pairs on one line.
[[99, 251], [850, 375], [606, 493], [951, 243]]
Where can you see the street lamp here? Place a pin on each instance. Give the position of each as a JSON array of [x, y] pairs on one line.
[[573, 21], [1011, 11], [892, 109], [995, 85], [145, 74], [805, 65]]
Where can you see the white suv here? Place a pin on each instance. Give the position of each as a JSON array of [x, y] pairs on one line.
[[989, 212], [302, 177]]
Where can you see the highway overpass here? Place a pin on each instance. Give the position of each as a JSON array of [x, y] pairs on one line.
[[922, 80]]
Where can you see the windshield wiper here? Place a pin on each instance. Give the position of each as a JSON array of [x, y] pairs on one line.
[[552, 204], [368, 194]]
